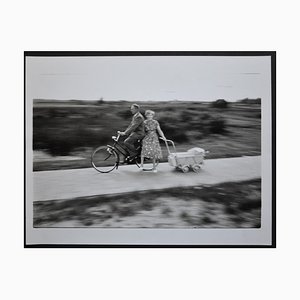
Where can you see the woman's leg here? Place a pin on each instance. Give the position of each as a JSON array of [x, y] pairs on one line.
[[142, 161], [154, 165]]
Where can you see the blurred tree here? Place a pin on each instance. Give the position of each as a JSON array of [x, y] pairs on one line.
[[179, 137], [251, 101], [205, 116], [100, 101], [125, 114], [186, 116], [220, 103], [217, 125]]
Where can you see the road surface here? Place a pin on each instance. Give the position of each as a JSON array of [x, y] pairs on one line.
[[66, 184]]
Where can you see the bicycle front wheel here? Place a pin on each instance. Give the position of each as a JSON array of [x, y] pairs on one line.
[[104, 159]]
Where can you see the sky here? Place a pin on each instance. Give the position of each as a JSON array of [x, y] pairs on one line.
[[142, 78]]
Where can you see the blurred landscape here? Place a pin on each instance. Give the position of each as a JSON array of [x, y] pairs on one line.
[[227, 205], [66, 132]]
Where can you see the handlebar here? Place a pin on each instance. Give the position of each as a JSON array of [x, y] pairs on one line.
[[116, 138], [170, 141]]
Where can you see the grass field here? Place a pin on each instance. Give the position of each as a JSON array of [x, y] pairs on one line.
[[227, 205], [64, 129]]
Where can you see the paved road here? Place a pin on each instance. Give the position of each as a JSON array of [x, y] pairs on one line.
[[66, 184]]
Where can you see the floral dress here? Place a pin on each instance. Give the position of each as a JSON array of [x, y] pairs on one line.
[[150, 144]]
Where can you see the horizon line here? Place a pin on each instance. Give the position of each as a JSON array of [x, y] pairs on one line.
[[126, 100]]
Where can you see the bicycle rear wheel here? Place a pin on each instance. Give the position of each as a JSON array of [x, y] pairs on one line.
[[104, 159]]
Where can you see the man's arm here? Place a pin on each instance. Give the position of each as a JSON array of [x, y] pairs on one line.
[[135, 124]]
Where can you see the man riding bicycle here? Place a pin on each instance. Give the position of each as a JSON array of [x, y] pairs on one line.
[[135, 130]]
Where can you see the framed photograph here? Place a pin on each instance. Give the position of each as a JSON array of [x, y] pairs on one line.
[[150, 149]]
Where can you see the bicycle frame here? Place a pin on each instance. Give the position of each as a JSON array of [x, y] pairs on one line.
[[117, 146], [120, 149]]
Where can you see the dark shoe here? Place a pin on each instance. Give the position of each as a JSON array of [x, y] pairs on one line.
[[131, 161], [133, 156]]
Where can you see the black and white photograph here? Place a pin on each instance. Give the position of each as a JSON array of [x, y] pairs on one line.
[[149, 148]]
